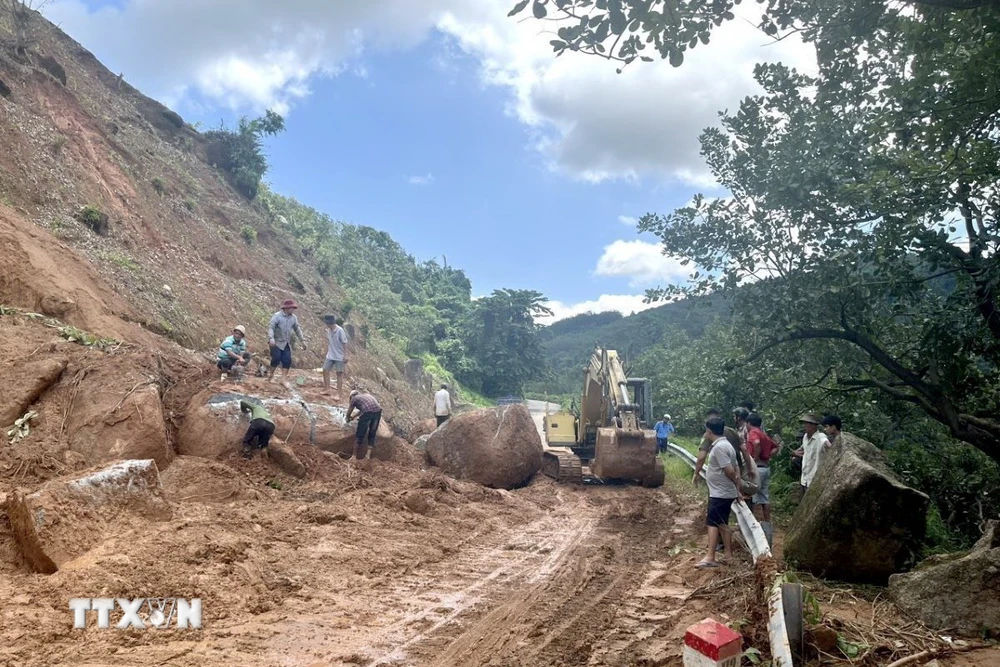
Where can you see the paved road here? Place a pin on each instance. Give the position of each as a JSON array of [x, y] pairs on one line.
[[537, 409]]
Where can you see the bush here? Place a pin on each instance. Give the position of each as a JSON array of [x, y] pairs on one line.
[[240, 152], [249, 234], [159, 185], [93, 218], [190, 205]]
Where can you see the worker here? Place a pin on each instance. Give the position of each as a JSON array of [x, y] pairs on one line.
[[279, 336], [369, 417], [261, 428], [706, 444], [442, 405], [233, 350], [723, 481], [664, 429], [814, 443], [762, 447], [336, 354], [832, 426]]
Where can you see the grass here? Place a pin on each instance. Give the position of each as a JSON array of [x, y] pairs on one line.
[[121, 260]]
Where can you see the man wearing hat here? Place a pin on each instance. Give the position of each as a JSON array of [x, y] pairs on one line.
[[233, 351], [336, 354], [279, 337], [664, 429], [814, 442]]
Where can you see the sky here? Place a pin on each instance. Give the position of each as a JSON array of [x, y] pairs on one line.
[[449, 125]]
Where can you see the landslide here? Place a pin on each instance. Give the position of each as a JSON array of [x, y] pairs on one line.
[[180, 256]]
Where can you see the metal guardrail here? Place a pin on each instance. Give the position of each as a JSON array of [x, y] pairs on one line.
[[756, 541], [510, 400]]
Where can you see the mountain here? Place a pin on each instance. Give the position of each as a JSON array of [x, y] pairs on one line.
[[568, 343]]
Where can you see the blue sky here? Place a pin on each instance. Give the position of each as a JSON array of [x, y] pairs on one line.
[[451, 127]]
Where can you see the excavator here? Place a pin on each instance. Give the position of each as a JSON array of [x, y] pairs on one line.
[[608, 437]]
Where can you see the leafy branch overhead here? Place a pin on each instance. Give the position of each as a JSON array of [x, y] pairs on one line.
[[862, 207]]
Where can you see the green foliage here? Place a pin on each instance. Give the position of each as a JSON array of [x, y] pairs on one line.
[[240, 152], [862, 219], [249, 234], [93, 217], [122, 261], [190, 205], [74, 335], [159, 185]]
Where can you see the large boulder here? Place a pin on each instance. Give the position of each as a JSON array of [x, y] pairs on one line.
[[422, 428], [962, 594], [213, 425], [497, 447], [113, 420], [857, 522], [67, 517], [193, 479]]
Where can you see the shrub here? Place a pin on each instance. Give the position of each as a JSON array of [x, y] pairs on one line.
[[249, 234], [190, 205], [92, 217], [240, 152], [159, 185]]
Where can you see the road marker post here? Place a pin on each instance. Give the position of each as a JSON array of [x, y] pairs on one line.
[[712, 644]]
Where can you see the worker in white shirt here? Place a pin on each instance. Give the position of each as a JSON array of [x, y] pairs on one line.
[[814, 443], [442, 405]]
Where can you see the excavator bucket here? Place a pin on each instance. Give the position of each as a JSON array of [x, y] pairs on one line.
[[627, 455]]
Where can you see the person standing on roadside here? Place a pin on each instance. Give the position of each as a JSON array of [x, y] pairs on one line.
[[832, 426], [723, 479], [336, 354], [369, 417], [706, 444], [664, 429], [279, 336], [442, 405], [761, 447], [814, 443]]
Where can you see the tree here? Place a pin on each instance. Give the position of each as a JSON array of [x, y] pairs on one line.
[[240, 152], [863, 202], [21, 13], [503, 340]]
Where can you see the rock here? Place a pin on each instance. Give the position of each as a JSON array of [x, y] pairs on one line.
[[417, 502], [823, 638], [5, 90], [961, 595], [167, 292], [421, 442], [413, 371], [857, 522], [497, 447], [67, 517], [52, 66], [192, 479], [56, 305], [424, 427], [283, 455], [136, 430], [23, 384]]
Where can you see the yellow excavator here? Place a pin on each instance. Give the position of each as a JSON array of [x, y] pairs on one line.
[[608, 437]]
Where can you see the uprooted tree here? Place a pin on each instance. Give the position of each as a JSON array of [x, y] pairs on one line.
[[862, 208], [20, 14]]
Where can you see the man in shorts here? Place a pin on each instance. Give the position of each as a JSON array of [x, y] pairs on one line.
[[336, 354], [706, 445], [723, 479], [761, 447], [233, 350], [279, 336]]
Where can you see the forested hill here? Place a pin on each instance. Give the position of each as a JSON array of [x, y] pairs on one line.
[[569, 342]]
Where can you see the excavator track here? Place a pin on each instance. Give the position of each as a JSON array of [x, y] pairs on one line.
[[562, 465]]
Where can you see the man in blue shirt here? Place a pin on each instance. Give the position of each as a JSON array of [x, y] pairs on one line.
[[664, 429], [233, 351]]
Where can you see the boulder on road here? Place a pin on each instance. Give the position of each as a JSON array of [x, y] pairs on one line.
[[857, 522], [497, 447], [422, 428], [67, 517], [962, 594], [115, 425]]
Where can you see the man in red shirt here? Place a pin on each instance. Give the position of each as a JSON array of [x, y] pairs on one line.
[[762, 448]]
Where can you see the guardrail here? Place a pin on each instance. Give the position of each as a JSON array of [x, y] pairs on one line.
[[756, 540]]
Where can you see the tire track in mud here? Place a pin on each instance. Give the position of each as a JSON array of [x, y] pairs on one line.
[[560, 589]]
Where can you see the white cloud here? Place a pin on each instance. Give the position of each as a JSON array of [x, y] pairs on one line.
[[628, 220], [626, 304], [426, 179], [643, 263], [586, 120]]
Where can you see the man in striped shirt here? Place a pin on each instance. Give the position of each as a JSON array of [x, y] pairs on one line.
[[369, 417]]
